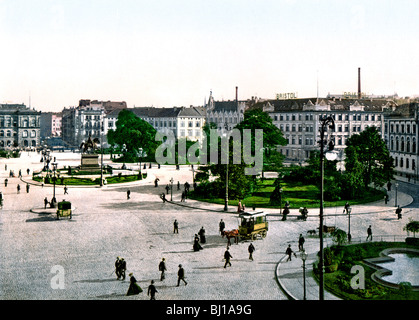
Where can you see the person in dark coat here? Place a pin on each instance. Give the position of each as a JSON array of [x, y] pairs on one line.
[[251, 249], [289, 252], [201, 233], [152, 291], [369, 234], [222, 226], [162, 269], [123, 268], [134, 288], [128, 194], [301, 241], [175, 227], [156, 182], [399, 212], [118, 268], [45, 202], [181, 275], [196, 245], [227, 257]]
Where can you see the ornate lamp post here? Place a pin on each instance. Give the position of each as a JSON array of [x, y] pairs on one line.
[[54, 200], [327, 122], [304, 258], [140, 156], [228, 159], [395, 200], [349, 224], [171, 189]]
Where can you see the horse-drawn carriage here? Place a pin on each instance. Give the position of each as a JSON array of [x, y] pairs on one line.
[[252, 225], [64, 209]]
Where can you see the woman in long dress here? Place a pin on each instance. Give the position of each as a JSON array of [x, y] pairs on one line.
[[134, 288]]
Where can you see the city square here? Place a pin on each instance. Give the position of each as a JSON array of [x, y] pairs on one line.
[[45, 258]]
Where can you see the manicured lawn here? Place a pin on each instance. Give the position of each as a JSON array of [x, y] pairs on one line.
[[298, 195]]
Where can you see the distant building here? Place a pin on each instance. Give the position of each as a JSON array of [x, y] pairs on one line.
[[402, 136], [87, 120], [19, 126], [299, 121], [51, 124]]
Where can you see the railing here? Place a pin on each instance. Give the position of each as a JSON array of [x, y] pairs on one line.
[[375, 238]]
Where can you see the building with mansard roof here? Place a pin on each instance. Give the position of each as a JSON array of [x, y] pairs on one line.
[[299, 120], [19, 126]]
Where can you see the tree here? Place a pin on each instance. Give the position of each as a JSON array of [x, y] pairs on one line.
[[368, 158], [412, 226], [135, 133]]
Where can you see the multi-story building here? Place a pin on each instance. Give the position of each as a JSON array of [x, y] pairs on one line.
[[225, 114], [19, 126], [401, 135], [299, 120], [87, 120]]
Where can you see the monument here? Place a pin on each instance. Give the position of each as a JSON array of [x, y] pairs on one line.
[[89, 159]]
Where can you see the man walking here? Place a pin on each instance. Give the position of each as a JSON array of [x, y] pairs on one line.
[[301, 241], [175, 227], [162, 269], [222, 226], [227, 257], [369, 234], [181, 276], [251, 249], [289, 252], [128, 194], [152, 291]]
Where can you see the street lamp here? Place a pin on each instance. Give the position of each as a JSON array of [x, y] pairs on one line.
[[304, 258], [140, 155], [396, 185], [327, 122], [171, 190], [228, 159], [54, 168], [349, 224]]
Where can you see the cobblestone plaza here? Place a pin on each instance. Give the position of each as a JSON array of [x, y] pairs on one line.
[[37, 249]]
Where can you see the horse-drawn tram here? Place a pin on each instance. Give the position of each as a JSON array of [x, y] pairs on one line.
[[252, 225]]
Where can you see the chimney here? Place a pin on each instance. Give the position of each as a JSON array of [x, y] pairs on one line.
[[237, 96], [359, 83]]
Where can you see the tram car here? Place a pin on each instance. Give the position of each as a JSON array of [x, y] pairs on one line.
[[252, 225]]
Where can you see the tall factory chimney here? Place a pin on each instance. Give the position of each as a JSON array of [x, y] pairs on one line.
[[237, 94], [359, 83]]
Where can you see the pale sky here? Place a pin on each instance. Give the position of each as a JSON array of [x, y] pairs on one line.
[[173, 52]]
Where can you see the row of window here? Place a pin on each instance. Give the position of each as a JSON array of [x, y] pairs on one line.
[[7, 122], [309, 141], [338, 117], [402, 146], [190, 133], [221, 120], [25, 133], [406, 164], [400, 128]]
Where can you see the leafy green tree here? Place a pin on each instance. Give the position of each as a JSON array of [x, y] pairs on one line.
[[135, 133], [368, 158]]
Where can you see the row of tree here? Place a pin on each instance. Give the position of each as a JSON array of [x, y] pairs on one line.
[[367, 159]]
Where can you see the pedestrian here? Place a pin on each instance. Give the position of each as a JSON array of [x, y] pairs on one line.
[[196, 245], [20, 173], [27, 188], [175, 226], [178, 185], [123, 268], [183, 197], [301, 241], [389, 186], [346, 208], [201, 233], [240, 207], [222, 226], [134, 288], [399, 212], [5, 182], [18, 188], [386, 198], [227, 257], [118, 268], [289, 252], [167, 189], [304, 213], [156, 182], [65, 189], [369, 234], [181, 275], [251, 249], [128, 194], [1, 199], [27, 171], [152, 291], [45, 202], [162, 269]]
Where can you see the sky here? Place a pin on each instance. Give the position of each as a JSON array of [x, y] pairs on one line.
[[167, 53]]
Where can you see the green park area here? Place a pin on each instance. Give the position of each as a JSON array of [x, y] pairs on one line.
[[298, 194]]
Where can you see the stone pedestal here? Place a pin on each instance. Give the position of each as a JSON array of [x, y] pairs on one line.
[[90, 162]]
